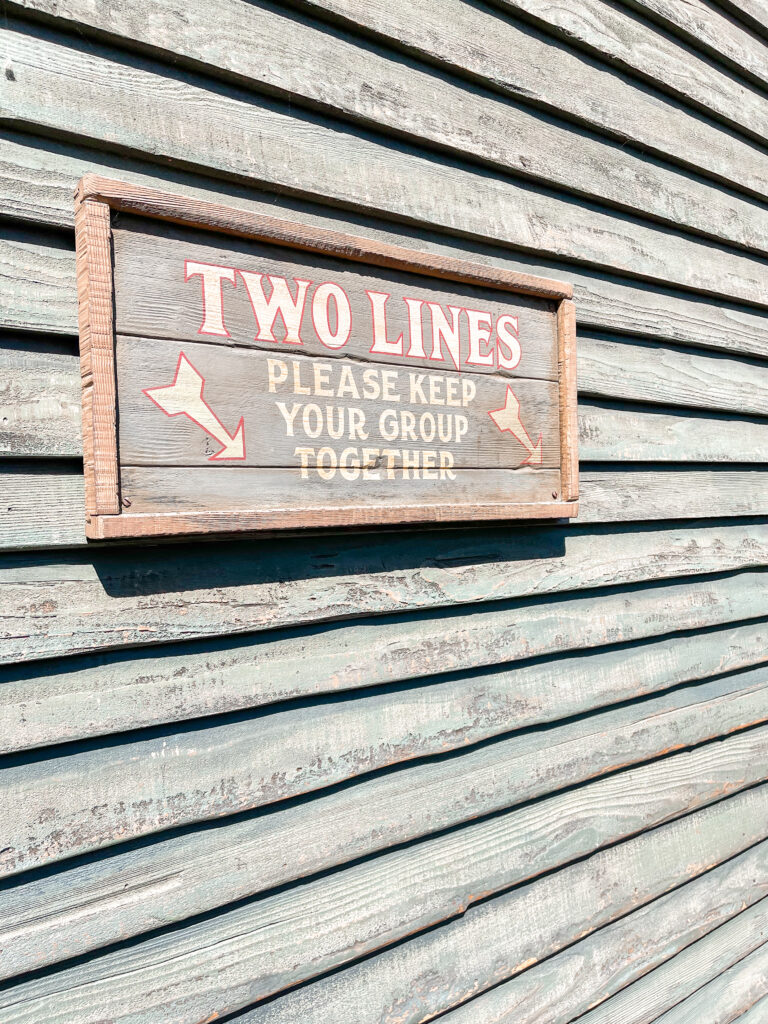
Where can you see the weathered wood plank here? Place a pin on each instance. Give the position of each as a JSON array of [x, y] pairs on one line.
[[62, 89], [632, 45], [419, 979], [707, 29], [222, 964], [606, 496], [622, 494], [751, 12], [40, 418], [618, 494], [726, 997], [615, 433], [517, 61], [269, 498], [42, 507], [650, 372], [91, 905], [166, 306], [91, 696], [756, 1014], [292, 400], [120, 598], [38, 284], [73, 803], [695, 918], [37, 182], [39, 399], [690, 970], [299, 60]]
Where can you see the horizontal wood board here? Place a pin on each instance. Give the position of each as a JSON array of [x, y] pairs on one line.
[[133, 982], [618, 494], [104, 600], [40, 413], [519, 845], [690, 946]]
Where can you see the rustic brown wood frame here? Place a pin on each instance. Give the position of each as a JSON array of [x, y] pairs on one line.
[[96, 197]]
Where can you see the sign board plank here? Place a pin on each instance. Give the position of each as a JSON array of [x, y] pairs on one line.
[[246, 373], [169, 304], [296, 400]]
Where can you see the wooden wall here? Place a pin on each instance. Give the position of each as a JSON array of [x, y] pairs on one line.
[[489, 775]]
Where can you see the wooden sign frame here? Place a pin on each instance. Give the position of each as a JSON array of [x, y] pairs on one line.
[[106, 516]]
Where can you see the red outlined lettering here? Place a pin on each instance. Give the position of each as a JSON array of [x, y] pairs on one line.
[[280, 302], [507, 334], [320, 321], [442, 331], [213, 277], [480, 327], [381, 344], [415, 329]]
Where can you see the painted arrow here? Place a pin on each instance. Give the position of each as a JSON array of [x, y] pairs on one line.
[[508, 418], [185, 398]]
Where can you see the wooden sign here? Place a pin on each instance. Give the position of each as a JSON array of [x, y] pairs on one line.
[[246, 373]]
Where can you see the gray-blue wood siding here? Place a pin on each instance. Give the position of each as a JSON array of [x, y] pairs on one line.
[[499, 774]]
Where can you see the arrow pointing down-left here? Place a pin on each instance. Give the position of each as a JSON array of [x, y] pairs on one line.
[[185, 398]]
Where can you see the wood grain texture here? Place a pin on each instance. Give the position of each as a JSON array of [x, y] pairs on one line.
[[751, 12], [73, 803], [658, 938], [612, 432], [634, 46], [91, 905], [611, 495], [91, 696], [416, 979], [568, 405], [484, 717], [710, 31], [39, 399], [247, 953], [280, 498], [398, 648], [623, 494], [725, 998], [103, 600], [299, 60], [162, 305], [38, 284], [97, 355], [281, 416], [38, 182], [687, 973], [497, 51], [645, 371], [755, 1014], [60, 89], [175, 209], [41, 505], [619, 494], [40, 410]]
